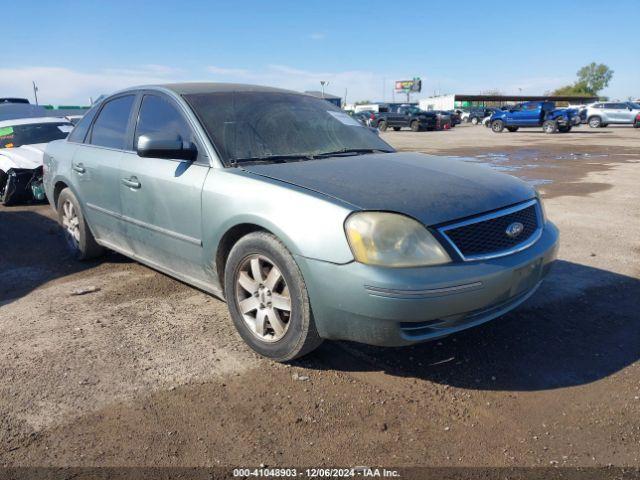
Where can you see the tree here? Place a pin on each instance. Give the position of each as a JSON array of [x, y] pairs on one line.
[[577, 89], [594, 77]]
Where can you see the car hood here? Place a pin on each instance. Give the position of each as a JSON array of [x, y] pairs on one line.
[[26, 156], [429, 188]]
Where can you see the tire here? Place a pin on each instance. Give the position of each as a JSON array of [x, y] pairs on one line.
[[497, 126], [382, 126], [635, 125], [80, 241], [415, 126], [3, 185], [595, 122], [474, 121], [550, 126], [513, 129], [283, 335], [396, 129]]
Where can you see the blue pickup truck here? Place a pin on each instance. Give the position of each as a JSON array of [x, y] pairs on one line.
[[535, 114]]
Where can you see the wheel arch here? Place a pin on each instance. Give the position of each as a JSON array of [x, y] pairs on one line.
[[58, 186], [228, 240]]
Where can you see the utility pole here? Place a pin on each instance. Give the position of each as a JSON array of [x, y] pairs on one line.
[[323, 83], [35, 91]]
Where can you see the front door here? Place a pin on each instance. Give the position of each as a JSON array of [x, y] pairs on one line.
[[161, 198]]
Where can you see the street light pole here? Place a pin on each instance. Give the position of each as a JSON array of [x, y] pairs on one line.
[[35, 91], [323, 83]]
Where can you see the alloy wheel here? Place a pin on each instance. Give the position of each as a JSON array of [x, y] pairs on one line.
[[71, 224], [263, 298]]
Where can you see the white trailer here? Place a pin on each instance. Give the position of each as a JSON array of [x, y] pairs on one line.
[[439, 102]]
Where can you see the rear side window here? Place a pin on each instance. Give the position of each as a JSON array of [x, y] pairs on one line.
[[79, 133], [110, 128], [159, 115]]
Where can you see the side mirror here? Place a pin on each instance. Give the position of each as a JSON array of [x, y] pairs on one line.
[[156, 145]]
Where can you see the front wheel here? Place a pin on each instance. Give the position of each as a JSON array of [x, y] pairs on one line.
[[415, 126], [382, 126], [550, 126], [497, 126], [474, 121], [267, 298], [80, 240]]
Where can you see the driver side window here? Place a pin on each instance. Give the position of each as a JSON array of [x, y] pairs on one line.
[[158, 115]]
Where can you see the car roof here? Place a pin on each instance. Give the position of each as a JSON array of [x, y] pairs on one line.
[[30, 121], [9, 111], [189, 88]]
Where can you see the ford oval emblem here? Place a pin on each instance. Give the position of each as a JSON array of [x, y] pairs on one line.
[[514, 229]]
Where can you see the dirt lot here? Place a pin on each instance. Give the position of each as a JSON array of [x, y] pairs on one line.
[[149, 371]]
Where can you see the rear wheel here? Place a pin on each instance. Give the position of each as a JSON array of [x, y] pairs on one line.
[[512, 129], [475, 120], [80, 240], [550, 126], [497, 126], [382, 125], [595, 122], [415, 126], [267, 298]]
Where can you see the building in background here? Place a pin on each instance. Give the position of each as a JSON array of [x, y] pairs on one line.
[[337, 101], [457, 100]]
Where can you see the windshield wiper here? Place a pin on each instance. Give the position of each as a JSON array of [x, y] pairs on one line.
[[272, 159], [296, 157], [350, 151]]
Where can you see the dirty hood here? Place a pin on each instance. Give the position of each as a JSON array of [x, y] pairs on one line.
[[431, 189], [26, 156]]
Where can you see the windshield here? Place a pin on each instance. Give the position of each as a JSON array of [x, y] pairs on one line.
[[250, 126], [634, 105], [18, 135]]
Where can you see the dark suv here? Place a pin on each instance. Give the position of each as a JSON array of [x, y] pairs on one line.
[[410, 116]]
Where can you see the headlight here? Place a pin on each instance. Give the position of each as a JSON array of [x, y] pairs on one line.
[[392, 240]]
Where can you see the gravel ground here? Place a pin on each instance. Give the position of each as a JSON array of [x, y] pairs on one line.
[[149, 371]]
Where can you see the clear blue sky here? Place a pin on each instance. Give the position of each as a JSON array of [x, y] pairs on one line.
[[75, 49]]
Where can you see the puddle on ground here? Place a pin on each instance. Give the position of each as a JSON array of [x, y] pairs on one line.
[[528, 159], [559, 170]]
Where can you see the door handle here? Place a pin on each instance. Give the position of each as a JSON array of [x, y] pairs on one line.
[[131, 182], [78, 167]]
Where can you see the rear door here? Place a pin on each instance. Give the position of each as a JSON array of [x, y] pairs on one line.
[[161, 198], [95, 169]]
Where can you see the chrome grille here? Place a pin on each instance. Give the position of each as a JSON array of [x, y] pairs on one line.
[[486, 236]]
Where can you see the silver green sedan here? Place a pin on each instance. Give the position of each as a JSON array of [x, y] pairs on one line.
[[306, 222]]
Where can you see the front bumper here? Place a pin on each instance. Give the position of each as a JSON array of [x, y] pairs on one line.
[[393, 307]]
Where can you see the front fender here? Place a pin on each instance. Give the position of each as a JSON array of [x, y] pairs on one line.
[[308, 223]]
